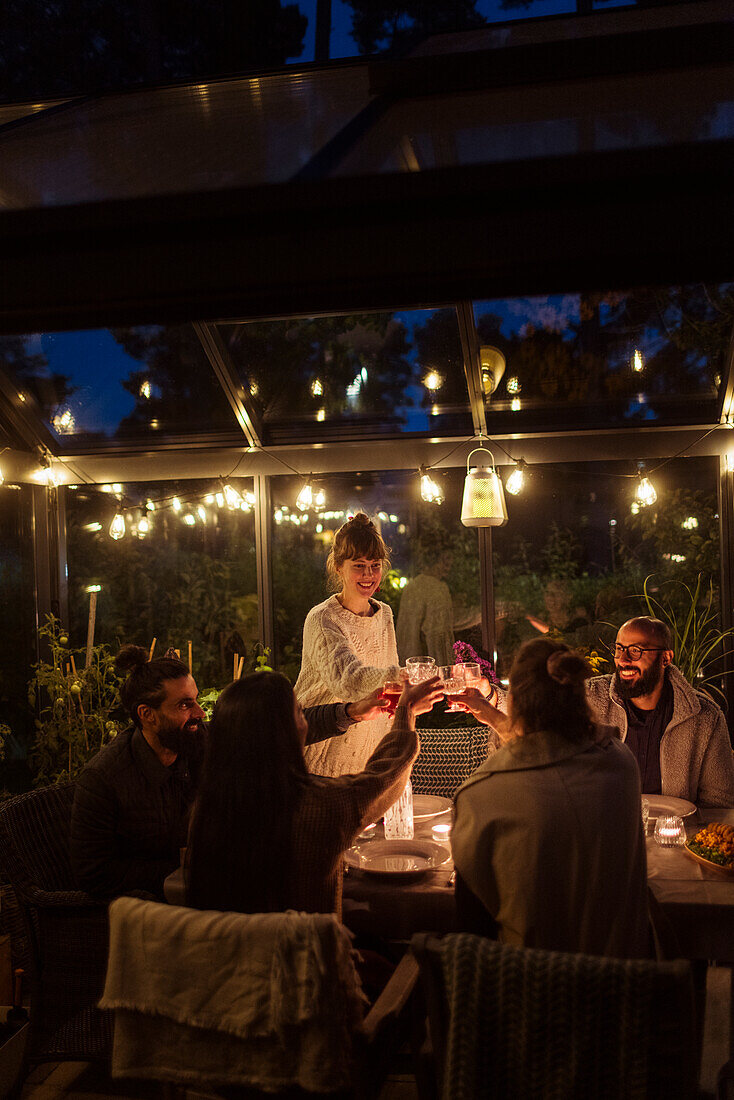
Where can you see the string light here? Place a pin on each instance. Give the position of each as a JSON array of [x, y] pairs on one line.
[[117, 527], [317, 387], [176, 504], [516, 481], [430, 490], [690, 523], [201, 513], [304, 500], [189, 519], [232, 498], [646, 494], [150, 505], [433, 381], [145, 390], [319, 498], [143, 524], [638, 363]]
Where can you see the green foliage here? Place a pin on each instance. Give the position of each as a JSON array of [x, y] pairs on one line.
[[698, 644], [656, 540], [76, 713]]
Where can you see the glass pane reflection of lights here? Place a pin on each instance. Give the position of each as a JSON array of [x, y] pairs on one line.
[[101, 386], [173, 575], [363, 375], [613, 359]]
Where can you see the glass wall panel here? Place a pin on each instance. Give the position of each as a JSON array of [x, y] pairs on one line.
[[99, 387], [17, 648], [433, 583], [495, 126], [618, 358], [367, 374], [578, 547], [190, 576]]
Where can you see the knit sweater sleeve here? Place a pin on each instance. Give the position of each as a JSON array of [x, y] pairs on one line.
[[340, 667]]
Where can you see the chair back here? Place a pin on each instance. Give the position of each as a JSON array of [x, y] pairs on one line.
[[265, 1000], [448, 757], [34, 841], [507, 1021]]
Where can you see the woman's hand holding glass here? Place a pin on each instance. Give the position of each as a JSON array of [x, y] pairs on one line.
[[423, 696], [473, 701]]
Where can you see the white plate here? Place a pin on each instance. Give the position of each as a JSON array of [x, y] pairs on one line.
[[663, 805], [397, 859], [429, 805]]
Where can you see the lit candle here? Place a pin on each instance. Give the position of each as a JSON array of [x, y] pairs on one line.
[[441, 832], [670, 832]]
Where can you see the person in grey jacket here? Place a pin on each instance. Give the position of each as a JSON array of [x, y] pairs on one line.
[[678, 735]]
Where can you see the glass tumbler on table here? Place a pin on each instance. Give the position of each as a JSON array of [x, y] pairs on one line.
[[472, 676], [420, 668], [398, 819]]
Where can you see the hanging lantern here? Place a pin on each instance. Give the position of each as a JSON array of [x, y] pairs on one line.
[[484, 498]]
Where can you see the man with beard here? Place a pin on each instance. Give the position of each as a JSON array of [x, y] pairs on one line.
[[678, 735], [132, 801]]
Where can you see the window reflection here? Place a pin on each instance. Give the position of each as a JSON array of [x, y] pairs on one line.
[[17, 636], [177, 573], [367, 373], [99, 386], [573, 559]]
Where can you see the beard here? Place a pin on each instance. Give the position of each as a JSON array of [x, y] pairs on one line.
[[181, 739], [645, 683]]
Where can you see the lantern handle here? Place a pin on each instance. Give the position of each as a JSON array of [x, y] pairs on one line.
[[476, 449]]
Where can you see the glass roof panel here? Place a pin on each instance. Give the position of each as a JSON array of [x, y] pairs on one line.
[[367, 375], [642, 110], [106, 386], [225, 133], [647, 357]]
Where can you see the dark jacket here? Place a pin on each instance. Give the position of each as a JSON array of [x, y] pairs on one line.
[[130, 815]]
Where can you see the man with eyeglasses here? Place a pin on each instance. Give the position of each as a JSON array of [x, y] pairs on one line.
[[678, 735]]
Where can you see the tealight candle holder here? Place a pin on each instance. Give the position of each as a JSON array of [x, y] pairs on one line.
[[441, 833], [368, 832], [670, 832]]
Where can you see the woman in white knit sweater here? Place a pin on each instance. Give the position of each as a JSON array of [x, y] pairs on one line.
[[349, 646]]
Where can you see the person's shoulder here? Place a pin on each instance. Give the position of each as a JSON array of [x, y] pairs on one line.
[[599, 685], [382, 608], [327, 609], [109, 761]]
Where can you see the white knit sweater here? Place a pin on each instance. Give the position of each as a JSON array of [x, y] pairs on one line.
[[345, 657]]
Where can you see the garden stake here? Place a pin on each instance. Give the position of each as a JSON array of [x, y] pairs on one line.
[[90, 627]]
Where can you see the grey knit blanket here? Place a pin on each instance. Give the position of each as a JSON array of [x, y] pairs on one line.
[[542, 1024]]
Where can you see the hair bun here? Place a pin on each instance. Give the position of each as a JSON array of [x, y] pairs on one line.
[[361, 519], [131, 658], [566, 667]]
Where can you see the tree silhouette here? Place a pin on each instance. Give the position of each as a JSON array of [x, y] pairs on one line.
[[71, 47], [381, 26]]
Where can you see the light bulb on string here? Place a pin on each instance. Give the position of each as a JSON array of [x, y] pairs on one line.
[[304, 500], [117, 527], [232, 498], [201, 513], [189, 519], [176, 504], [143, 523], [430, 490], [638, 363], [319, 498], [646, 491], [516, 481]]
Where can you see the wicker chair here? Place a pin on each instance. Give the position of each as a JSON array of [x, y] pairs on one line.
[[447, 757], [508, 1021], [67, 930]]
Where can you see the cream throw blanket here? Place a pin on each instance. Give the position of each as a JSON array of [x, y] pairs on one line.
[[267, 1000]]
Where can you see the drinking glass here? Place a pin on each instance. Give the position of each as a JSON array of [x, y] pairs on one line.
[[392, 691], [420, 668], [454, 679], [398, 820], [645, 815]]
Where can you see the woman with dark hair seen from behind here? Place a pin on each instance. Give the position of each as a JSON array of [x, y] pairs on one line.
[[349, 646], [267, 836], [548, 841]]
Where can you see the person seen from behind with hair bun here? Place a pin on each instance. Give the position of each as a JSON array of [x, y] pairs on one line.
[[349, 646], [548, 841]]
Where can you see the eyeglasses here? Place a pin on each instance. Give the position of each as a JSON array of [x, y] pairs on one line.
[[634, 652]]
